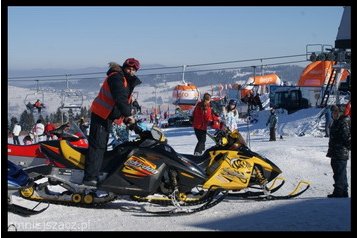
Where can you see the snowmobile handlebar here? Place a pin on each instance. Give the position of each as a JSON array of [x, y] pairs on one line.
[[228, 138]]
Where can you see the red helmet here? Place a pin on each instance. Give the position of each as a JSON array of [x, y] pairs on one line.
[[132, 62]]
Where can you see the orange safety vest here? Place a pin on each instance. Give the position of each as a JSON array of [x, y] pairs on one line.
[[103, 104]]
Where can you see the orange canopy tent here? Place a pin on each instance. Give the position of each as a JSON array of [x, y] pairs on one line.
[[318, 73]]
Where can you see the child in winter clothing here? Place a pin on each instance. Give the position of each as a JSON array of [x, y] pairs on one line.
[[231, 115], [27, 140]]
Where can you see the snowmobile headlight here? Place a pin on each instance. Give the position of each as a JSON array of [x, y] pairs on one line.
[[223, 141]]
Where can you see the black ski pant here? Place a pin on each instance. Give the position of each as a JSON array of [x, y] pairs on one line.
[[16, 140], [201, 136], [97, 146], [340, 176]]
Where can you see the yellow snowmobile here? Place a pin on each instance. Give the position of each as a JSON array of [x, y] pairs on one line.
[[231, 165]]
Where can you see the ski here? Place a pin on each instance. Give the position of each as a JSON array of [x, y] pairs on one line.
[[270, 190], [25, 211], [295, 193], [212, 199]]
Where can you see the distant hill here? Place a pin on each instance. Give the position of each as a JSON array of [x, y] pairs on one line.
[[88, 79], [88, 83]]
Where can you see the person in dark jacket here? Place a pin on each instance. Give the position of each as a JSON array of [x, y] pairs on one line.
[[83, 125], [202, 117], [272, 123], [338, 150], [113, 102]]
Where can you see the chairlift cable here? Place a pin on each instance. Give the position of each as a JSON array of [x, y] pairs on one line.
[[193, 65]]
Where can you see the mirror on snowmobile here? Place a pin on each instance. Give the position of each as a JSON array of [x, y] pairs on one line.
[[157, 134]]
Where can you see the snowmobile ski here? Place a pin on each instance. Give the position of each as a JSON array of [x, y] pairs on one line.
[[211, 199], [270, 190], [25, 211], [265, 197]]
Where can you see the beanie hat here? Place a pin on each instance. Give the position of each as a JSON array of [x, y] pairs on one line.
[[131, 62]]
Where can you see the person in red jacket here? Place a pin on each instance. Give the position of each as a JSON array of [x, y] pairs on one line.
[[202, 117], [112, 102]]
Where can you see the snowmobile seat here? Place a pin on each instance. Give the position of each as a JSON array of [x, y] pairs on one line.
[[202, 160]]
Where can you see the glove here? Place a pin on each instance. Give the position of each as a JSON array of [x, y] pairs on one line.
[[129, 120]]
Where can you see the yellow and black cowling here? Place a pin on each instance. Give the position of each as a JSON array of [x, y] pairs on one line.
[[158, 169], [239, 169]]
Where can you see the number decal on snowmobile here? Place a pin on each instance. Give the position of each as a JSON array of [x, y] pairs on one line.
[[238, 163], [232, 175], [139, 167]]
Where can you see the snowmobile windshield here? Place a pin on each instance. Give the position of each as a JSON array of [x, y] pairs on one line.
[[69, 131], [73, 131]]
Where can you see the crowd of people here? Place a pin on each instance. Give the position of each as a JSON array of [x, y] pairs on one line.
[[41, 132]]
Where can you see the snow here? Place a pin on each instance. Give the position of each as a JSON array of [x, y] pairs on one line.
[[299, 157]]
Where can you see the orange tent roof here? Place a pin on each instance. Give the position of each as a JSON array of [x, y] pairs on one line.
[[318, 73]]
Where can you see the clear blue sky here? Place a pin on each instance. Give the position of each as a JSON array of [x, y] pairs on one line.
[[76, 37]]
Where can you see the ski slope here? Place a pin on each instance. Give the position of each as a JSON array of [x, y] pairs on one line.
[[300, 158]]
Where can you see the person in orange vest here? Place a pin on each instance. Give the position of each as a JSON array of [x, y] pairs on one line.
[[112, 102]]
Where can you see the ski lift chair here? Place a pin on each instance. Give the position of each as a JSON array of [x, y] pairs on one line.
[[31, 98], [71, 99]]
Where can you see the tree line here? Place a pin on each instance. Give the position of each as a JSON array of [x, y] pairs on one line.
[[27, 118]]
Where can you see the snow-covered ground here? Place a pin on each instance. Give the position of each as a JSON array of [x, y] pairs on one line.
[[300, 158]]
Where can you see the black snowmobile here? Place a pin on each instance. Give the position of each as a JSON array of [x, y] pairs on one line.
[[139, 168]]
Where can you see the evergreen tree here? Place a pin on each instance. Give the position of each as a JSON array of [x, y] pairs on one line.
[[57, 118], [47, 119], [27, 121], [41, 118]]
